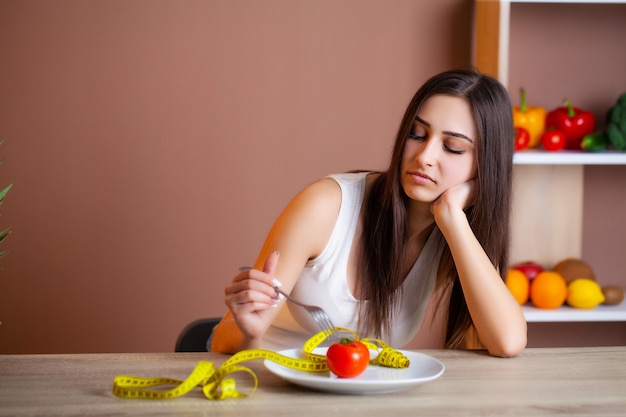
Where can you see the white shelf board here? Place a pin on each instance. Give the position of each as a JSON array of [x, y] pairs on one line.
[[567, 1], [538, 157], [601, 313]]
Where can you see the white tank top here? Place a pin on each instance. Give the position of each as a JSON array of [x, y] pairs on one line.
[[323, 281]]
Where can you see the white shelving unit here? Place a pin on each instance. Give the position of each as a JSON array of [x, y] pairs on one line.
[[542, 179], [600, 313], [567, 1], [537, 157], [497, 36]]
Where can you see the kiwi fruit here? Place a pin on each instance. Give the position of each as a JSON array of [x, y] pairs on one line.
[[572, 268], [613, 295]]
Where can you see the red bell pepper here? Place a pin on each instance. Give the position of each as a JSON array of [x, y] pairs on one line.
[[572, 121]]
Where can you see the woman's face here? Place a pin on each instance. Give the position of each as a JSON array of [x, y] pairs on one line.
[[440, 150]]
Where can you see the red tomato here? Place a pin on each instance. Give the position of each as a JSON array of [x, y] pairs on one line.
[[553, 140], [522, 138], [348, 358]]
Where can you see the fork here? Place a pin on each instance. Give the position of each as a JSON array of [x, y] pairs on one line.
[[321, 317]]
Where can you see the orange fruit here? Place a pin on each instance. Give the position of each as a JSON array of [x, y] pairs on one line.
[[548, 290], [518, 283]]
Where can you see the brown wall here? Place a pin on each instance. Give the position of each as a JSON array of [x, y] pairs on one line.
[[152, 143]]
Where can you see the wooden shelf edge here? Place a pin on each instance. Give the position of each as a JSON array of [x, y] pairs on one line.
[[565, 314]]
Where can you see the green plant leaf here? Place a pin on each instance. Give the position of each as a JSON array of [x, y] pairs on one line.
[[4, 233], [5, 191]]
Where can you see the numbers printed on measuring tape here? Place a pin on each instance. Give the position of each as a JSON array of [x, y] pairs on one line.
[[219, 384]]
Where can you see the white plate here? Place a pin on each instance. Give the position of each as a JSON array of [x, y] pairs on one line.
[[375, 379]]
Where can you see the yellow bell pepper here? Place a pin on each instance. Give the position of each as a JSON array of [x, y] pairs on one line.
[[531, 118]]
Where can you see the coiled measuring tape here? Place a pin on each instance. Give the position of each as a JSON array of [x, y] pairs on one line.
[[219, 384]]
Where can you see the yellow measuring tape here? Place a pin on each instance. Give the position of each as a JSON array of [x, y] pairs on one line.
[[218, 384]]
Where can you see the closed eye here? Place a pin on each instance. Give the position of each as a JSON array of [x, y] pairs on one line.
[[420, 132], [414, 136], [454, 151], [447, 148]]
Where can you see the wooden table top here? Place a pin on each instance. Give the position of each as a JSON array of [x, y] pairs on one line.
[[539, 382]]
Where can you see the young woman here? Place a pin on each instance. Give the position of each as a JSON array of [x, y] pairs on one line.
[[373, 249]]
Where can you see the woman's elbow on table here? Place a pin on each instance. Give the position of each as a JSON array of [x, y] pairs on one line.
[[228, 338], [510, 346]]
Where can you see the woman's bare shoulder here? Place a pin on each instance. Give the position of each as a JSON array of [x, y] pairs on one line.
[[303, 228], [320, 198]]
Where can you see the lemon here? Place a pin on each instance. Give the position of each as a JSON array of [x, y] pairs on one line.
[[584, 293]]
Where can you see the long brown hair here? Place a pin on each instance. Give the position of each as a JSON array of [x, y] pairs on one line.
[[385, 206]]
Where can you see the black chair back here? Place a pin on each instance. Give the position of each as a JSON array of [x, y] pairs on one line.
[[194, 337]]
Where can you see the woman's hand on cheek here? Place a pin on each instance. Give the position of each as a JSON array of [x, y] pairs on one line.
[[453, 201]]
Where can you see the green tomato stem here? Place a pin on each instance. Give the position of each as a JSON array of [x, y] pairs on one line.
[[570, 107]]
